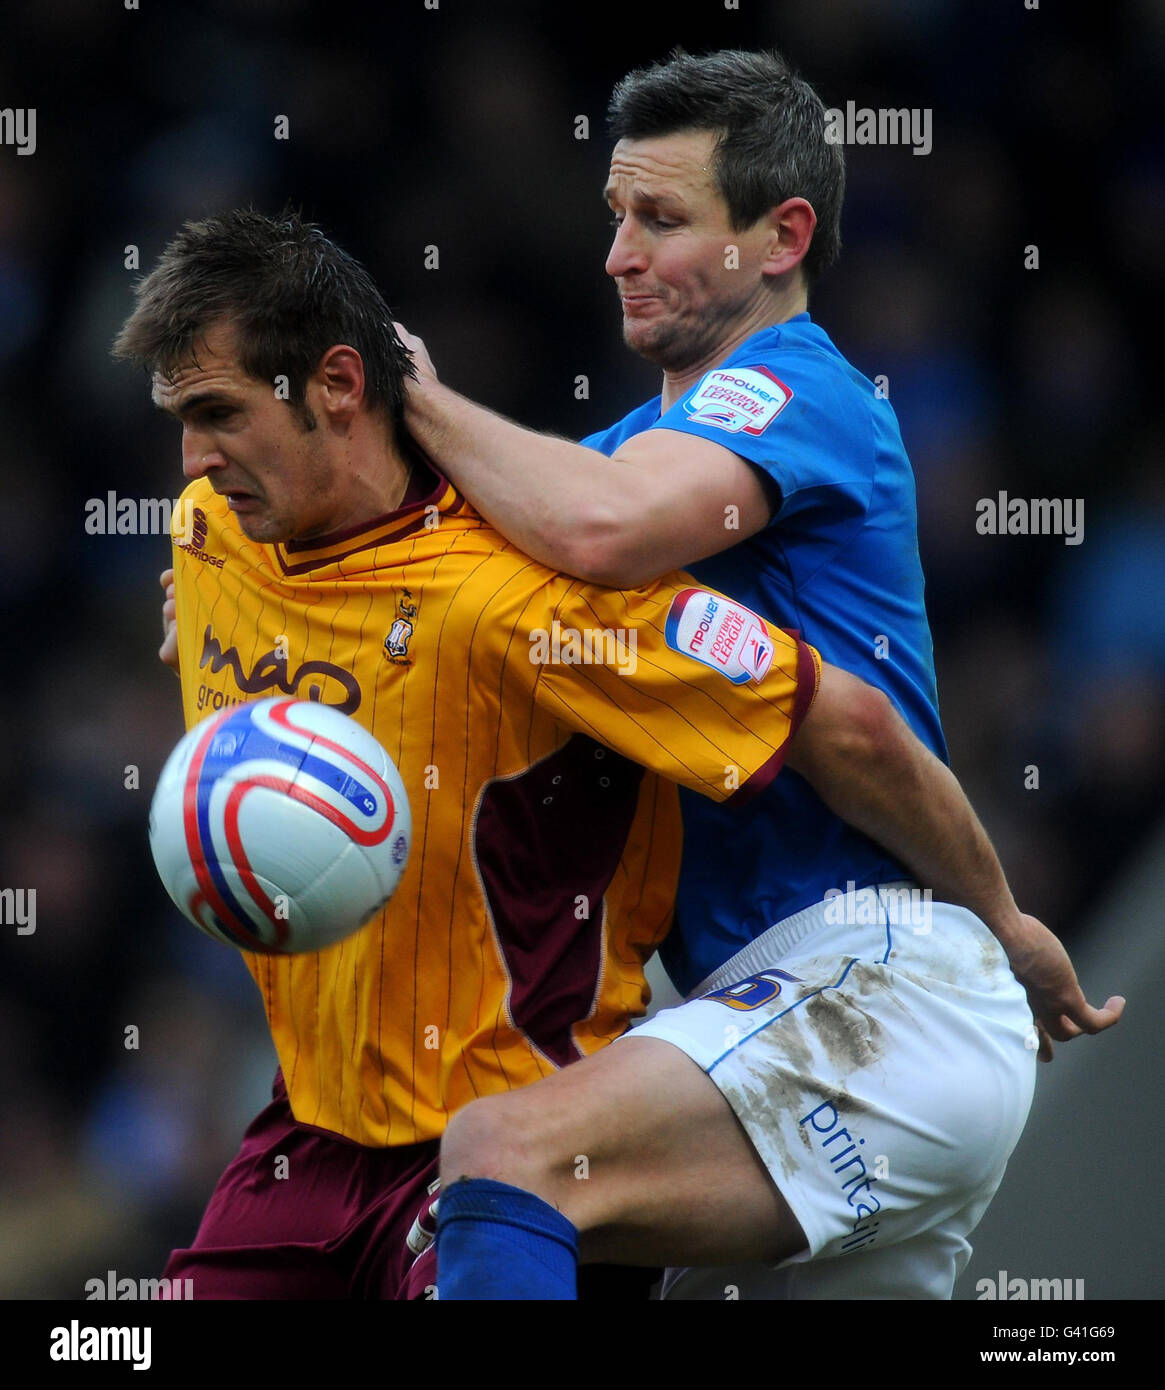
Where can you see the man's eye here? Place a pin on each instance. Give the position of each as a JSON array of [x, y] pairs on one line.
[[661, 224]]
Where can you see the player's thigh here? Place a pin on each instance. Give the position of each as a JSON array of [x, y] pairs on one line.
[[884, 1104], [639, 1149]]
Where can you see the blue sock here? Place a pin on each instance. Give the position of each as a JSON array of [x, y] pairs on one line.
[[498, 1242]]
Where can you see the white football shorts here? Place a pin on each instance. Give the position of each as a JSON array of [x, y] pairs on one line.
[[881, 1057]]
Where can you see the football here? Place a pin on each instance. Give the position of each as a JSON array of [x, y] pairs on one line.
[[280, 826]]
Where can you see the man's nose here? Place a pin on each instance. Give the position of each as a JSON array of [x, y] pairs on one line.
[[628, 253], [199, 455]]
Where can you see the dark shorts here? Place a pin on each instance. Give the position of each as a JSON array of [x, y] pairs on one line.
[[337, 1225], [303, 1214]]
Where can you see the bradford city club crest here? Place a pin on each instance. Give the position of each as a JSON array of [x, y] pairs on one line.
[[396, 644]]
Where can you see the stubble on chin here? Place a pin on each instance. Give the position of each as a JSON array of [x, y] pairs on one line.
[[667, 348], [266, 530], [679, 344]]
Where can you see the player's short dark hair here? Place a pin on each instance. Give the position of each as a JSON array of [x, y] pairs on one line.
[[771, 126], [288, 292]]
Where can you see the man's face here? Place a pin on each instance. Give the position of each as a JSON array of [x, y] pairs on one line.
[[277, 476], [670, 258]]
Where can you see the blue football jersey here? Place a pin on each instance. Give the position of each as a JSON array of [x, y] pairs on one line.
[[838, 562]]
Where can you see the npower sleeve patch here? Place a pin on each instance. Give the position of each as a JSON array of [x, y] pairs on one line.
[[738, 399], [720, 633]]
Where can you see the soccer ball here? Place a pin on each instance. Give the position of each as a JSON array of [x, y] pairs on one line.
[[280, 826]]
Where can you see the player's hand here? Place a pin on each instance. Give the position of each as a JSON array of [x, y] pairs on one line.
[[422, 362], [1061, 1011], [168, 651]]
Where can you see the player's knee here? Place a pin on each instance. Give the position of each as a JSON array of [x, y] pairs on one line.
[[498, 1137]]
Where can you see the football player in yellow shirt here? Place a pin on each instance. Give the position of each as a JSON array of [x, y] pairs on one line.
[[329, 560]]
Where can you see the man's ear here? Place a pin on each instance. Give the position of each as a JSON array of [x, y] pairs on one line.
[[791, 226], [339, 382]]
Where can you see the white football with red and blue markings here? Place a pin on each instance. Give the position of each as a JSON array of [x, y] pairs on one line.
[[280, 826]]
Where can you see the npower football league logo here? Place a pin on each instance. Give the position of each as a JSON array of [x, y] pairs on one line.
[[738, 399], [722, 634]]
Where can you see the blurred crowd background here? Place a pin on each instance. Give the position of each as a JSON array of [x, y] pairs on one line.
[[455, 127]]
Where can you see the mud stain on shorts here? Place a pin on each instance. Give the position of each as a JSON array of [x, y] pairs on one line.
[[829, 1034]]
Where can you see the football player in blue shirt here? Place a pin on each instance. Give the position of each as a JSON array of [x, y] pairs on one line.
[[831, 1112]]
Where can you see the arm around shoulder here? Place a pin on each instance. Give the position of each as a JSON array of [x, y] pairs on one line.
[[664, 500]]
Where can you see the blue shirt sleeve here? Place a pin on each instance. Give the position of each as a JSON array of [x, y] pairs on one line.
[[805, 426]]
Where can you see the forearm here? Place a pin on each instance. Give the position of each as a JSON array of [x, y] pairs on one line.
[[884, 782], [554, 499]]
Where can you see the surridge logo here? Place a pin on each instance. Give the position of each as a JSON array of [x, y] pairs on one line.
[[198, 529], [195, 541], [272, 672]]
